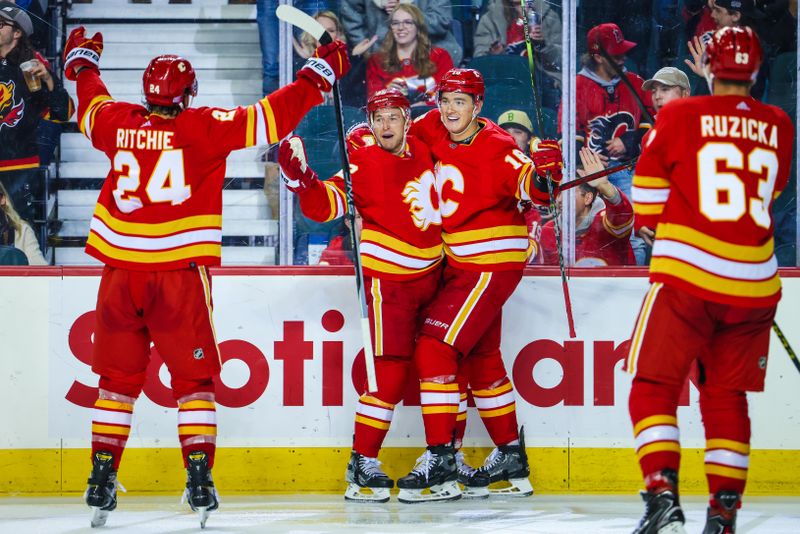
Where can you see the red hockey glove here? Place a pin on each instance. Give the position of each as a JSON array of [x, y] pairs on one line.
[[297, 175], [82, 51], [328, 64], [359, 136], [546, 156]]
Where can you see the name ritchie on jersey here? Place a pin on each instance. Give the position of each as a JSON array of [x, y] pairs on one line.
[[739, 128], [130, 138]]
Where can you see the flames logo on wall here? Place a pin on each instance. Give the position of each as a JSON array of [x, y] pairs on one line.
[[10, 112]]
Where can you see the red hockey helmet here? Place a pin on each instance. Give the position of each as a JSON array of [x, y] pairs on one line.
[[734, 53], [387, 98], [167, 79], [467, 81]]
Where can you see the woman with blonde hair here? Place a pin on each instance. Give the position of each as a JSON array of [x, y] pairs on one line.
[[14, 232], [407, 61]]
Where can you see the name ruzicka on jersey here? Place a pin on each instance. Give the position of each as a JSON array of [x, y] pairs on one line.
[[739, 128]]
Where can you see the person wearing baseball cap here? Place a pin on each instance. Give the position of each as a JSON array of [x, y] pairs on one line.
[[669, 83], [22, 107], [734, 12], [518, 124]]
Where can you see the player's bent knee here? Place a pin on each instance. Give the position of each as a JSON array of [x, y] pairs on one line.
[[434, 358]]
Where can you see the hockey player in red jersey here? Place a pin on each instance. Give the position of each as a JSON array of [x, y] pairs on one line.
[[482, 177], [157, 227], [603, 222], [705, 181], [401, 252]]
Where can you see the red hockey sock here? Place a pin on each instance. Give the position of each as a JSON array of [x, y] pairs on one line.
[[375, 410], [727, 428], [111, 423], [653, 409], [498, 411], [439, 395], [197, 425]]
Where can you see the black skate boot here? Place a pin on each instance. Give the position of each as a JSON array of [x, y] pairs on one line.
[[435, 472], [663, 514], [101, 495], [507, 463], [474, 484], [721, 516], [366, 482], [200, 490]]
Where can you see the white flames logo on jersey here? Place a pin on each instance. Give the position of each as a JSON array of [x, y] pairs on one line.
[[418, 193]]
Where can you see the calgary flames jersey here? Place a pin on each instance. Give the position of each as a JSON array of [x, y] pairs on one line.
[[480, 185], [160, 207], [706, 180], [397, 201]]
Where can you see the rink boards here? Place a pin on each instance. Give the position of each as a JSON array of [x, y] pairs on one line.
[[289, 341]]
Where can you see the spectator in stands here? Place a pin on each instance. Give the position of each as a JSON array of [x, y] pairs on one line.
[[268, 36], [21, 109], [340, 248], [609, 120], [14, 232], [500, 31], [364, 18], [726, 13], [407, 61], [352, 86], [518, 124], [603, 222], [666, 85]]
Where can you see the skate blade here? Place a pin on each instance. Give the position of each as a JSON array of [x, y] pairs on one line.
[[99, 516], [356, 493], [203, 512], [449, 491], [673, 528], [468, 492], [517, 487]]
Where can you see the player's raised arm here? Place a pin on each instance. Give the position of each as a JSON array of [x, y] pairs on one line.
[[320, 201], [82, 56]]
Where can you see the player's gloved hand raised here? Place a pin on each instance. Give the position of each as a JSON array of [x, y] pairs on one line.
[[328, 64], [297, 175], [81, 51], [546, 156], [359, 136]]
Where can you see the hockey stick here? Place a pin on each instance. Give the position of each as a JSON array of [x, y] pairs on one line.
[[595, 175], [550, 190], [785, 343], [305, 22]]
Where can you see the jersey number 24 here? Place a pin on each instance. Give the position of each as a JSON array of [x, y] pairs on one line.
[[167, 182]]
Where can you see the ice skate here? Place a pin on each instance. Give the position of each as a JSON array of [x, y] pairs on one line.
[[200, 491], [721, 516], [434, 477], [101, 494], [474, 485], [366, 482], [507, 463], [663, 514]]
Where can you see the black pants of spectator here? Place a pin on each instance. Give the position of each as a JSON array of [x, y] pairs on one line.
[[26, 189]]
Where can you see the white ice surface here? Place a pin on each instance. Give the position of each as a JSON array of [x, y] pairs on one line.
[[318, 514]]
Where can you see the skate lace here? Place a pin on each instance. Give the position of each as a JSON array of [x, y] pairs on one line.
[[463, 467], [493, 459], [371, 467], [424, 464]]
